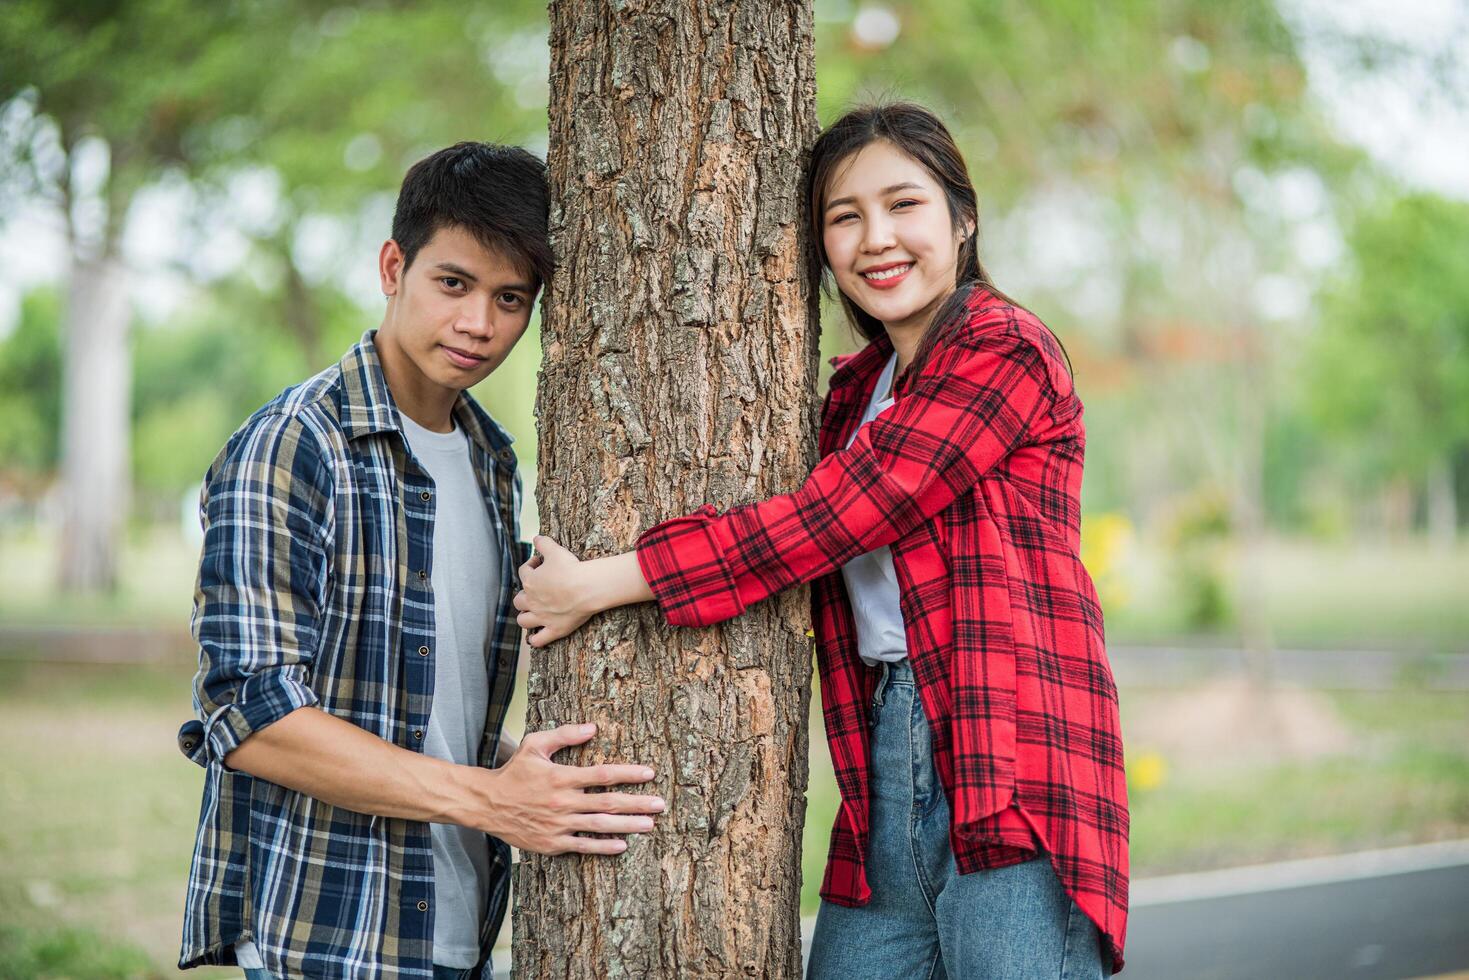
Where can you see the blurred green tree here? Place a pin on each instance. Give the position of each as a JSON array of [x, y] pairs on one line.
[[99, 101], [1390, 375], [30, 389]]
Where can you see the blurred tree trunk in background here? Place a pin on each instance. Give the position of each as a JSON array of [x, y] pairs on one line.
[[680, 338], [96, 421]]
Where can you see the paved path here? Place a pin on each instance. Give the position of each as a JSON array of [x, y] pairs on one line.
[[1381, 915]]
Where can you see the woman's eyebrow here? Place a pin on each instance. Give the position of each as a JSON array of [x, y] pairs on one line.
[[905, 186]]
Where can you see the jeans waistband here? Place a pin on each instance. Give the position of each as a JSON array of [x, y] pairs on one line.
[[891, 673]]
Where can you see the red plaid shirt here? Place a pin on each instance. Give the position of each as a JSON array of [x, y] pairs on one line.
[[973, 478]]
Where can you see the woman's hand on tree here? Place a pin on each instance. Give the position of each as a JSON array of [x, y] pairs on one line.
[[558, 592], [553, 593]]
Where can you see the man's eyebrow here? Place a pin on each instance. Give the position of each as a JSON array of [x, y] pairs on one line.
[[456, 270], [905, 186]]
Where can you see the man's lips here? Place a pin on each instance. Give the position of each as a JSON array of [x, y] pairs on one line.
[[462, 358], [887, 276]]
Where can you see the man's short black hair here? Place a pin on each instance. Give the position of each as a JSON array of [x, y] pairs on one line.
[[499, 194]]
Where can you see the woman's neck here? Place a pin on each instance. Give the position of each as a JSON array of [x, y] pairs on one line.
[[905, 339]]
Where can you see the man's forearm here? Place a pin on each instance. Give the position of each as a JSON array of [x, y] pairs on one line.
[[339, 763]]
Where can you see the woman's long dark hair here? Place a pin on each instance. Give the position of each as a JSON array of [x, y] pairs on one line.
[[919, 133]]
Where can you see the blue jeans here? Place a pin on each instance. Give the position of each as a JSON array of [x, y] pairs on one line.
[[925, 920], [440, 973]]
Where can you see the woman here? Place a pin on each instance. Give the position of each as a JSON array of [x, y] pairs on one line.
[[970, 708]]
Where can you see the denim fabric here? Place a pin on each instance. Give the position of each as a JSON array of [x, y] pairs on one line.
[[925, 920]]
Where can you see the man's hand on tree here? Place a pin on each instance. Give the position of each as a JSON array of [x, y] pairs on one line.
[[541, 806]]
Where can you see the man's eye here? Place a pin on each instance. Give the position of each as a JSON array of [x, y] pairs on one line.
[[510, 299], [453, 282]]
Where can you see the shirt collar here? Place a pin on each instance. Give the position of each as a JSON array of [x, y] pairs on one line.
[[368, 406], [862, 366]]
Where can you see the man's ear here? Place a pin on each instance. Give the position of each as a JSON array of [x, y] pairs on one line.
[[390, 267]]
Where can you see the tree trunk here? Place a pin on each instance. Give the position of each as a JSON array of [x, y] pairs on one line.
[[680, 339], [96, 416], [1252, 392], [1443, 510]]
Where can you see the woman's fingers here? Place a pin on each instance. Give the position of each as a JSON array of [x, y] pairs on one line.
[[543, 636]]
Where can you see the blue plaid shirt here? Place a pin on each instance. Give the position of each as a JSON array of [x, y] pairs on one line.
[[315, 588]]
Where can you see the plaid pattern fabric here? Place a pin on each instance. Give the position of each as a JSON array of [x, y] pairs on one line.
[[974, 479], [315, 588]]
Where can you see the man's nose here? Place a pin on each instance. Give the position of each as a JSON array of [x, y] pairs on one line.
[[478, 321]]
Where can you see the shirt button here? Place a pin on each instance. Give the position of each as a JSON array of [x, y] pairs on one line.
[[418, 733], [423, 651], [422, 575], [506, 455], [423, 906]]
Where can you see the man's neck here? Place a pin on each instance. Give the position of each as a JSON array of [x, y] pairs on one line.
[[428, 404]]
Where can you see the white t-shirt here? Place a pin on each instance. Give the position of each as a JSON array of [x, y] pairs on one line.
[[466, 580], [872, 582]]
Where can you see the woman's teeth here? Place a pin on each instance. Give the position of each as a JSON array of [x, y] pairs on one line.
[[896, 270]]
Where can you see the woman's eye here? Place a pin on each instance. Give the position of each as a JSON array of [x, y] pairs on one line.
[[839, 219], [899, 204]]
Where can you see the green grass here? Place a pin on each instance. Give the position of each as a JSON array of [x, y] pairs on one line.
[[57, 953], [97, 816], [156, 575], [1364, 595]]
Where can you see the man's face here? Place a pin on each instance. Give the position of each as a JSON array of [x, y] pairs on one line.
[[456, 312]]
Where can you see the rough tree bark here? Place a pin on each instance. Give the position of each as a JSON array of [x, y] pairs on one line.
[[680, 339]]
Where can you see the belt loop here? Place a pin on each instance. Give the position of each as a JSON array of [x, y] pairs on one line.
[[877, 694]]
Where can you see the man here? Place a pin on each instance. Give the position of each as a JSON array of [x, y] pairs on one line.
[[357, 641]]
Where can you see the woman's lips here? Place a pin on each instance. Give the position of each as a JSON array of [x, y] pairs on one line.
[[461, 359], [891, 280]]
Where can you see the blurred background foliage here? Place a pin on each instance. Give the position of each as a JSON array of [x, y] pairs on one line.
[[1269, 326]]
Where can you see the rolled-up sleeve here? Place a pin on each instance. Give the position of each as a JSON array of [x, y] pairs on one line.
[[263, 575]]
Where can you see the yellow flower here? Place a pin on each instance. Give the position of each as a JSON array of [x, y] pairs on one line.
[[1147, 771]]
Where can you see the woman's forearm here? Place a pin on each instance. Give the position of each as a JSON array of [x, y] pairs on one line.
[[616, 581]]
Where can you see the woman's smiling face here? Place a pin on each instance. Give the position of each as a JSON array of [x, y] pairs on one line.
[[889, 240]]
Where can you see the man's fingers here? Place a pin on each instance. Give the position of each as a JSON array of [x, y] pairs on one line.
[[619, 803], [591, 845], [613, 823], [553, 740], [520, 601], [610, 774]]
